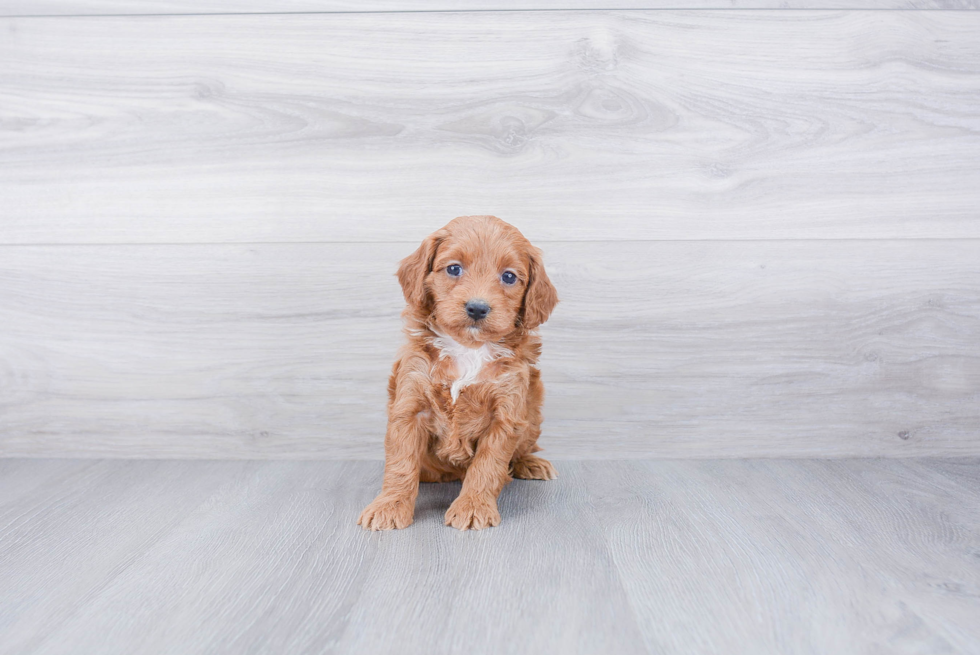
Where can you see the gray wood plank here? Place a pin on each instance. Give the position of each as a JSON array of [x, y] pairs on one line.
[[690, 349], [280, 548], [739, 556], [70, 536], [272, 545], [828, 535], [20, 478], [138, 7], [578, 125], [512, 592]]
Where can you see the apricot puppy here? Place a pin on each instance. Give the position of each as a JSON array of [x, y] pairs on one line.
[[464, 397]]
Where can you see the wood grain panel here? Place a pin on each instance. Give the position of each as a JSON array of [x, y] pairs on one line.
[[138, 7], [685, 557], [578, 125], [824, 348]]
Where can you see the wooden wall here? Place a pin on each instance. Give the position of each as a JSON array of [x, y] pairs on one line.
[[764, 223]]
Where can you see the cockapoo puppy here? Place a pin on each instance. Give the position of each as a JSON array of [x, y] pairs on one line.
[[464, 397]]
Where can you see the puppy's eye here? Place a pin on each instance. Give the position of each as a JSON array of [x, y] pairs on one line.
[[508, 278], [454, 270]]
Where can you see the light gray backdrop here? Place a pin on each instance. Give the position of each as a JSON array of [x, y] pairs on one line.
[[764, 224]]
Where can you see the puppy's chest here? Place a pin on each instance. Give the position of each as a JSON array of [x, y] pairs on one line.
[[458, 367], [464, 382]]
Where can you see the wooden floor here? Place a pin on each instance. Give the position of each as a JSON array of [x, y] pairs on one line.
[[709, 556]]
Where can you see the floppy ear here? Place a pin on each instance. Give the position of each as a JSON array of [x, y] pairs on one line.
[[414, 268], [540, 297]]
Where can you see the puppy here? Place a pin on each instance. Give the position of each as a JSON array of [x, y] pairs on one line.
[[464, 397]]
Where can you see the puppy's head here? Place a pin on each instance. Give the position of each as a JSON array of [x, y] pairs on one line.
[[478, 279]]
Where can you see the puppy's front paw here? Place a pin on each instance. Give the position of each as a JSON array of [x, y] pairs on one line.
[[387, 513], [466, 513]]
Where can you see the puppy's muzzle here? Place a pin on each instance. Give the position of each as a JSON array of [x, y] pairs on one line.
[[477, 309]]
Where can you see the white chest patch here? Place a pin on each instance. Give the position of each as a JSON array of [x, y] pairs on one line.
[[469, 361]]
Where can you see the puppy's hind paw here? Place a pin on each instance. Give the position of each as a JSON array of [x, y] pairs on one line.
[[530, 467], [387, 514]]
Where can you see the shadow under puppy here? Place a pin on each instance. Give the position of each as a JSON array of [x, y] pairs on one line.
[[464, 397]]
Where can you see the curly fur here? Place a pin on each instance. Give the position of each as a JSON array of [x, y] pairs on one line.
[[464, 397]]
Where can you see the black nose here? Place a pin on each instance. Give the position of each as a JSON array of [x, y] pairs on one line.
[[477, 310]]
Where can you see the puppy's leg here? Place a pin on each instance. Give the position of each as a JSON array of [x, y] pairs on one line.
[[476, 506], [405, 441], [525, 465]]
